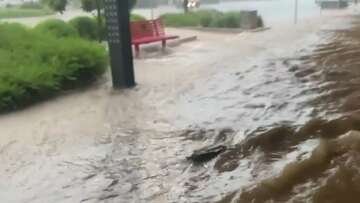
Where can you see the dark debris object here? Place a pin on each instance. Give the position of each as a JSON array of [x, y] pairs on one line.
[[207, 153]]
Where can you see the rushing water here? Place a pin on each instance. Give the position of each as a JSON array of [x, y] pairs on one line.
[[283, 161]]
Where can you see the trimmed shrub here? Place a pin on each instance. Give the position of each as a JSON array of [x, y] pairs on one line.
[[227, 20], [86, 27], [181, 20], [57, 28], [42, 65], [206, 18], [206, 21]]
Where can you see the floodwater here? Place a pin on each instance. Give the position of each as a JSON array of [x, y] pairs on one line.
[[279, 162], [283, 105]]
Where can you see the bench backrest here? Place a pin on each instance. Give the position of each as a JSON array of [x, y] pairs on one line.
[[147, 28]]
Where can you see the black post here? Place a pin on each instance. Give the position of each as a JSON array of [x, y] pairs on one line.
[[117, 15]]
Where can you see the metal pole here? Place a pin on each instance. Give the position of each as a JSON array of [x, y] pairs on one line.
[[117, 14], [296, 12]]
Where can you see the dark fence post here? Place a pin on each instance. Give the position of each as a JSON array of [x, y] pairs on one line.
[[117, 16]]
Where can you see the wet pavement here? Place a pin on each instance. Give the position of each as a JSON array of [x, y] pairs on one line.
[[277, 96]]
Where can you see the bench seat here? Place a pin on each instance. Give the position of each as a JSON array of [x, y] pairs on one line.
[[148, 31], [147, 40]]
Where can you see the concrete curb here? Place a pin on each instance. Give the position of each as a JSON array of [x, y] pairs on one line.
[[216, 30], [261, 29], [183, 40], [225, 30], [155, 47]]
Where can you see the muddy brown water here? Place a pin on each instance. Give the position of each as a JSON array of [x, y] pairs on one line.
[[329, 172]]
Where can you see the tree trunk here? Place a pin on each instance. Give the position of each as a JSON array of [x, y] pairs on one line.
[[99, 20]]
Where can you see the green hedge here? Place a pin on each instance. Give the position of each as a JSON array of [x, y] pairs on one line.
[[205, 18], [226, 20], [57, 28], [181, 20], [36, 65]]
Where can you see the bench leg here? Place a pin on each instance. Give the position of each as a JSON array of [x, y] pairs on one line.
[[137, 50], [163, 45]]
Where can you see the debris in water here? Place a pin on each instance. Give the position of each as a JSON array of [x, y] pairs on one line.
[[207, 153], [108, 197], [89, 176], [113, 183]]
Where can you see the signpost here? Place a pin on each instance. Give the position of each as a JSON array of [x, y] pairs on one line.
[[119, 38]]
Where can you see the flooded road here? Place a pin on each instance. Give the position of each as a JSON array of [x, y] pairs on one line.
[[270, 98]]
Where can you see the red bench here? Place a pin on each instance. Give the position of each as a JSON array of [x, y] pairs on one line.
[[148, 31]]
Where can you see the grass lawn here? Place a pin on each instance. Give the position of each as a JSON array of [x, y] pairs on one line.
[[20, 12]]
